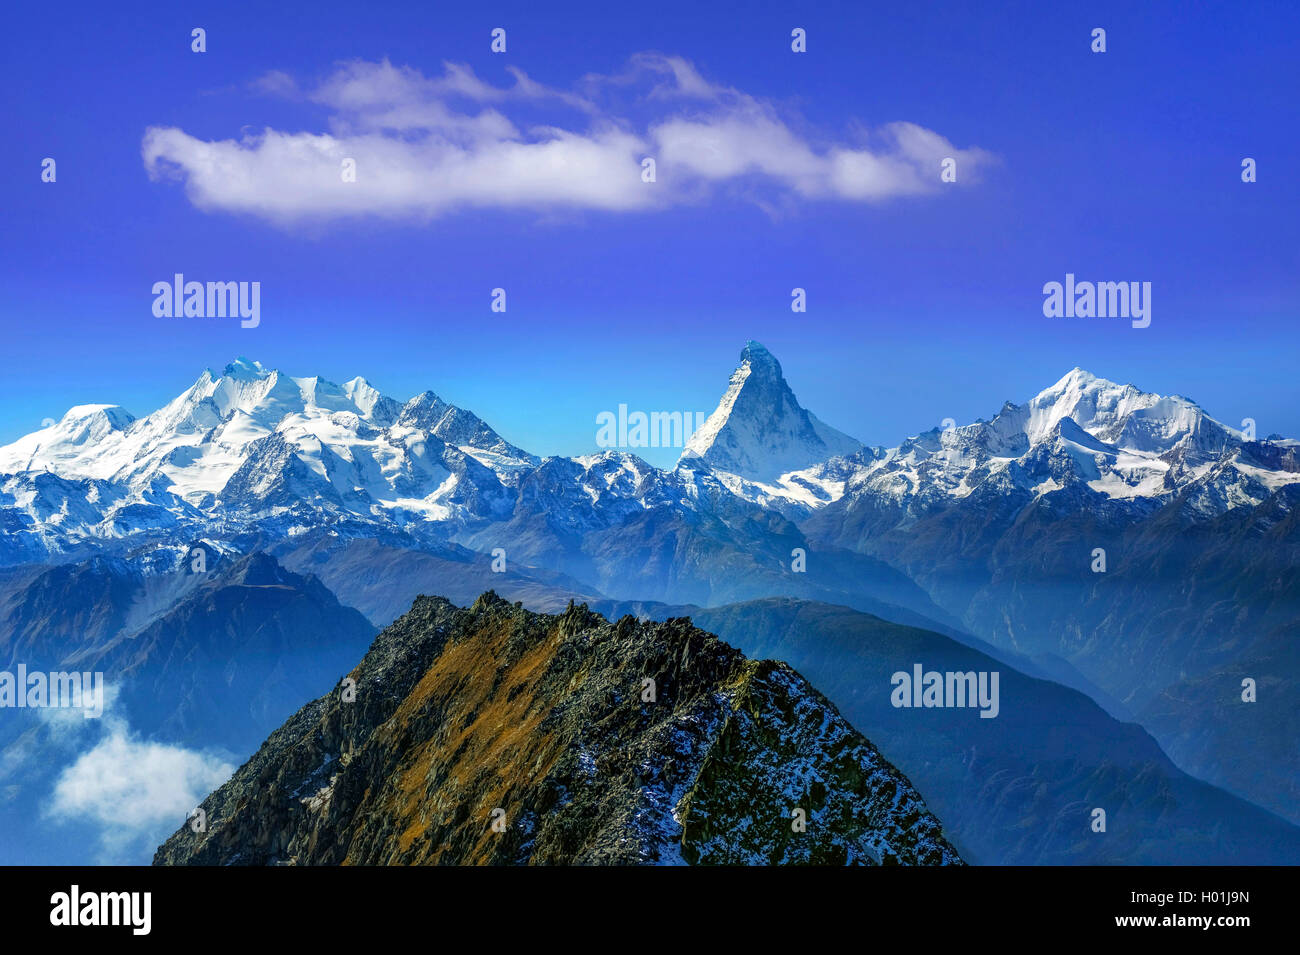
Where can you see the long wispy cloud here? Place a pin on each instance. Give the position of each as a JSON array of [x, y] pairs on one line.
[[426, 145]]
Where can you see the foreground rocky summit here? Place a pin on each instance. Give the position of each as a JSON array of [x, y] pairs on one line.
[[494, 735]]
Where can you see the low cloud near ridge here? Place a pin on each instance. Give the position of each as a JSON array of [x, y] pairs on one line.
[[427, 145], [134, 791]]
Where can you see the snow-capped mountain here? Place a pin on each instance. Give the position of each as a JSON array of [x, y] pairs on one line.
[[202, 438], [1088, 439], [759, 431], [254, 447], [1084, 436], [253, 444]]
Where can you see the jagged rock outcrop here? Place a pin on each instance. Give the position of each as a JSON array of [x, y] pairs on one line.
[[493, 735]]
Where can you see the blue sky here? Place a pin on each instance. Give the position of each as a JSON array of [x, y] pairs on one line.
[[924, 299]]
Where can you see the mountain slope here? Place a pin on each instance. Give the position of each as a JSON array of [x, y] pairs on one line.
[[1018, 788], [381, 579], [466, 716], [205, 662], [1004, 524], [212, 658]]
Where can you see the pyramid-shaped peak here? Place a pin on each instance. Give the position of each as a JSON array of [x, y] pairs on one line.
[[758, 357], [759, 430]]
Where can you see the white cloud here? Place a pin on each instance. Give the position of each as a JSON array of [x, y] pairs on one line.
[[136, 792], [424, 146]]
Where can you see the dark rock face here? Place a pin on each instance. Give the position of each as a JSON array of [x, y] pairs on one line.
[[494, 735]]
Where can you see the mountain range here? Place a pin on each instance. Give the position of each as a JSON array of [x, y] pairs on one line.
[[984, 536]]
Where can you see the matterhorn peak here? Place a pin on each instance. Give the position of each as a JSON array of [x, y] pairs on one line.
[[759, 430], [758, 357]]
